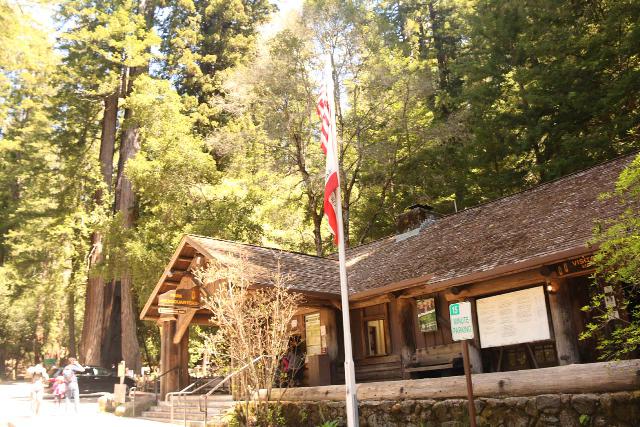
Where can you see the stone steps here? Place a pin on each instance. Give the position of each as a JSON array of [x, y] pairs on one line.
[[188, 407]]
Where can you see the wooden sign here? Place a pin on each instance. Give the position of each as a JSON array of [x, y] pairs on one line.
[[576, 265], [171, 310], [185, 298]]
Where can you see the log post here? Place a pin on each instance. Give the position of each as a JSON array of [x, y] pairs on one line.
[[475, 355], [565, 336], [407, 329], [173, 358]]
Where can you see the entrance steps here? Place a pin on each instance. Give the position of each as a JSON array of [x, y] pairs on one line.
[[190, 408]]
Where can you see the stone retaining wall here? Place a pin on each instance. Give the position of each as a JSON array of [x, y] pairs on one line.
[[620, 409]]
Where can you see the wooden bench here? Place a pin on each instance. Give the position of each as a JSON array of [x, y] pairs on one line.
[[433, 359]]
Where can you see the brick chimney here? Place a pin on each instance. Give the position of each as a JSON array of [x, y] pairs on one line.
[[415, 218]]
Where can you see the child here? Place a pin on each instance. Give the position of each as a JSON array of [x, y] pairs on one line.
[[59, 389]]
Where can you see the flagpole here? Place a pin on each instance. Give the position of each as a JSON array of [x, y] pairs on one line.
[[349, 371], [349, 368]]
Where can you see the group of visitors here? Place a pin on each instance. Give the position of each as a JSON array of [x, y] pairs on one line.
[[65, 386]]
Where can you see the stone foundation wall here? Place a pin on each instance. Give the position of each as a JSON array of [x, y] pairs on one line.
[[621, 409]]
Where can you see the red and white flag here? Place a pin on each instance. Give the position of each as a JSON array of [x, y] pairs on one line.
[[325, 109]]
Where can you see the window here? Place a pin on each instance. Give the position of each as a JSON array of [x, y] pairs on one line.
[[376, 338], [312, 333]]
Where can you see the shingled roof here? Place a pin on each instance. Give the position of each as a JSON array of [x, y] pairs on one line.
[[545, 223], [305, 272], [550, 218]]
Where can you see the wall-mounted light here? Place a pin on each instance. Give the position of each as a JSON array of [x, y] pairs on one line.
[[551, 287]]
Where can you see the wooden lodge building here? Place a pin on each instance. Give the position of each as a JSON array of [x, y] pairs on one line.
[[522, 260]]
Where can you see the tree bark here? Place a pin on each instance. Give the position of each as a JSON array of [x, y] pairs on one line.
[[93, 328], [125, 205], [71, 321], [111, 349]]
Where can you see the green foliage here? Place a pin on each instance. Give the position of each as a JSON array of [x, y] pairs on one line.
[[454, 101], [543, 82], [618, 263], [584, 419], [202, 39]]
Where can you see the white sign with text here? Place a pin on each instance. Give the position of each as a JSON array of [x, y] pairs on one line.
[[513, 318], [461, 321]]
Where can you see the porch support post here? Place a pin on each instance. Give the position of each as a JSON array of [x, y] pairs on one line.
[[475, 354], [563, 329], [174, 357], [403, 327], [328, 318]]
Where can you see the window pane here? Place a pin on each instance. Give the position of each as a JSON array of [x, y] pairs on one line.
[[376, 337], [312, 332]]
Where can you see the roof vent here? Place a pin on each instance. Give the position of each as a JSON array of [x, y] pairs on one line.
[[415, 218]]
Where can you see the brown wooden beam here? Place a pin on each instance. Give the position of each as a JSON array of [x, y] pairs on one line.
[[499, 284], [381, 299]]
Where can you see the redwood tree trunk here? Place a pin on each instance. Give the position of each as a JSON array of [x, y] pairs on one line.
[[125, 204], [93, 326]]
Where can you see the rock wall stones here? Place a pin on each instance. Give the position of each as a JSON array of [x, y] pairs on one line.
[[620, 409]]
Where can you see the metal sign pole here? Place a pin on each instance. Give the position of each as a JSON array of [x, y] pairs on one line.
[[467, 374]]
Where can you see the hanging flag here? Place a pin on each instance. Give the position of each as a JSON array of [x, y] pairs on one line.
[[329, 147]]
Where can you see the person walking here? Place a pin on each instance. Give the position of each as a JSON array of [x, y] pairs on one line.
[[38, 378], [71, 381]]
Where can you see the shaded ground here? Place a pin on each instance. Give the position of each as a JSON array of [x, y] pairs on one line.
[[15, 410]]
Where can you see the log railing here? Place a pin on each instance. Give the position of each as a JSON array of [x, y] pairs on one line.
[[579, 378]]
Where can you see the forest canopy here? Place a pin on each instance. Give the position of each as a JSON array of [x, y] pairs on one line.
[[126, 123]]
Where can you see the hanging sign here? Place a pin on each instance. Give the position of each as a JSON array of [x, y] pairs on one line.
[[461, 321], [184, 298], [171, 310]]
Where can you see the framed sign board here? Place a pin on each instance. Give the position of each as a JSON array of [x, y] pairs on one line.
[[513, 318], [427, 314]]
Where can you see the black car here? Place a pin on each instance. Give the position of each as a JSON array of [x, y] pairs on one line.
[[94, 379]]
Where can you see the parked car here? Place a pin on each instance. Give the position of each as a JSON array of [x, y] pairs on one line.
[[94, 379]]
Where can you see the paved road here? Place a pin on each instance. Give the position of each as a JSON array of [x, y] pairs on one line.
[[15, 410]]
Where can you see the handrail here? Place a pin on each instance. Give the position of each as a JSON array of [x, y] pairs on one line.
[[226, 379], [132, 396], [185, 391], [156, 379]]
